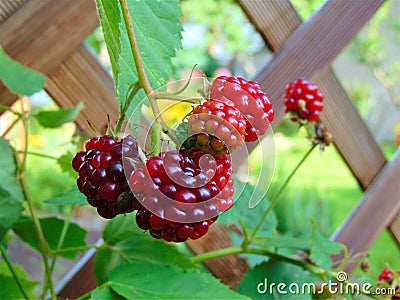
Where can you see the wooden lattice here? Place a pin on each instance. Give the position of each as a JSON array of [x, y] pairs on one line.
[[47, 35]]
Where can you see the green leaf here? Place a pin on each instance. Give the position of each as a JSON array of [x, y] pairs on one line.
[[154, 281], [322, 248], [182, 131], [52, 228], [65, 163], [10, 212], [18, 78], [9, 288], [71, 197], [56, 118], [261, 282], [158, 33], [104, 293], [8, 171], [125, 243], [249, 216]]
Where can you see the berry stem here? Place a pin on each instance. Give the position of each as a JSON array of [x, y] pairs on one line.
[[15, 122], [38, 154], [133, 89], [275, 199], [240, 250], [38, 228], [143, 79], [11, 268]]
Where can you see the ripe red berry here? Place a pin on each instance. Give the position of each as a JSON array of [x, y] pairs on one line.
[[180, 196], [304, 100], [249, 99], [386, 275], [101, 175], [217, 127]]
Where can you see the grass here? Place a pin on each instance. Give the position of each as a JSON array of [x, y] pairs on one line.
[[323, 189]]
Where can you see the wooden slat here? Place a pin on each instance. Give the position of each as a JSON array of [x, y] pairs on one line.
[[8, 7], [395, 228], [81, 78], [42, 33], [378, 208]]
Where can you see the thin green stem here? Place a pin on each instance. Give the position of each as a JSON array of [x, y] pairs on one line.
[[43, 244], [37, 154], [60, 243], [239, 250], [143, 79], [10, 127], [78, 248], [166, 96], [14, 274], [275, 199], [133, 89]]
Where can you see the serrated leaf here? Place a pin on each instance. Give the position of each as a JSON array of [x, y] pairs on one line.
[[56, 118], [11, 210], [158, 33], [322, 248], [105, 293], [65, 163], [182, 131], [18, 78], [71, 197], [9, 288], [261, 282], [52, 228], [153, 281], [125, 243], [8, 171]]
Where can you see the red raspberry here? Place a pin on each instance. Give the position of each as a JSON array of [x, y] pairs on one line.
[[101, 175], [304, 100], [249, 99], [216, 127], [386, 275], [181, 193]]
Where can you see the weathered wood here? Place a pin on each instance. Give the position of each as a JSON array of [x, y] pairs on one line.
[[8, 7], [395, 228], [81, 78], [42, 33], [378, 207]]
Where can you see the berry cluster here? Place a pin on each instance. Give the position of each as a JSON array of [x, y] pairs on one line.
[[304, 100], [177, 194], [182, 193], [215, 126], [249, 99], [388, 276], [101, 174]]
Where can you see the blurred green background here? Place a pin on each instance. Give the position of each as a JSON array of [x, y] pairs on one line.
[[218, 35]]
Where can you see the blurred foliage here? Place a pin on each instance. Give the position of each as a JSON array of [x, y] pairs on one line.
[[306, 8]]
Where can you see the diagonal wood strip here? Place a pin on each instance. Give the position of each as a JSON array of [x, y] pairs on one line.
[[340, 115], [42, 33], [376, 210]]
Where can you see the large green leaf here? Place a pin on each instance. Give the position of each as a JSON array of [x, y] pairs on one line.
[[10, 211], [125, 243], [8, 171], [104, 293], [322, 248], [142, 280], [9, 288], [56, 118], [158, 32], [283, 241], [261, 282], [52, 228], [18, 78], [71, 197]]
